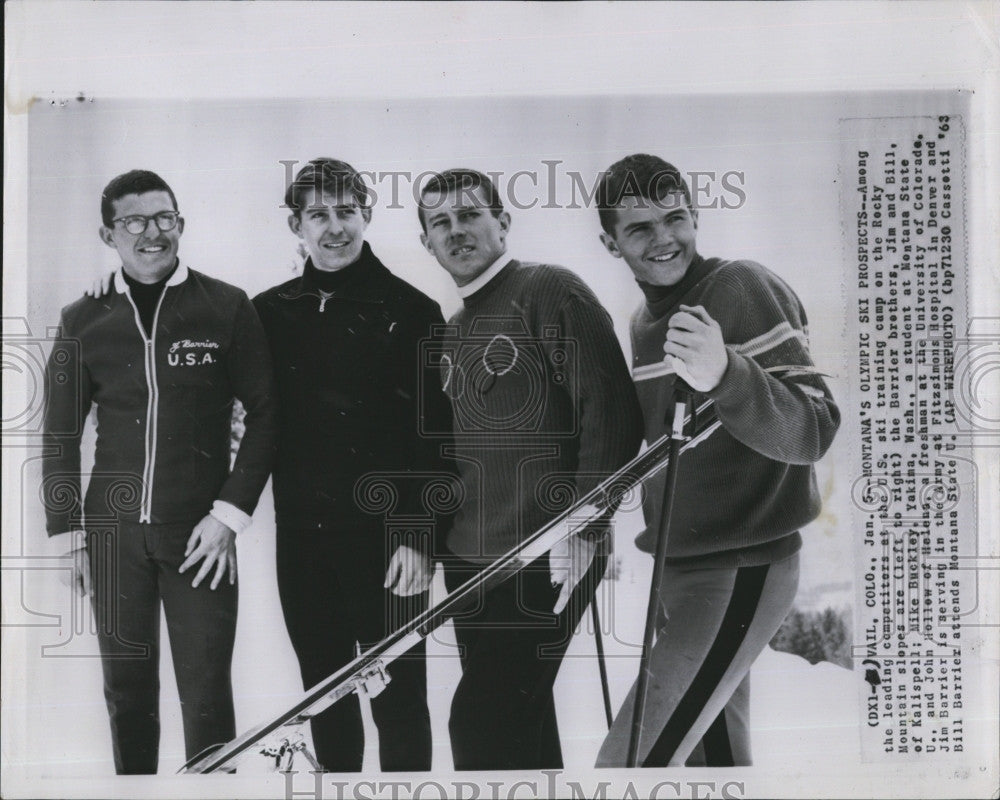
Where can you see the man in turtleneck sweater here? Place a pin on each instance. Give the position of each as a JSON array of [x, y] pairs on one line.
[[161, 350], [345, 338], [742, 494], [543, 410]]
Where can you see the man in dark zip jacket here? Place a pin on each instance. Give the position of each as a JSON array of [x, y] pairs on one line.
[[162, 356], [355, 422]]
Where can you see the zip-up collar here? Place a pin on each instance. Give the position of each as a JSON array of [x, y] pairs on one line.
[[179, 276], [365, 284], [152, 384]]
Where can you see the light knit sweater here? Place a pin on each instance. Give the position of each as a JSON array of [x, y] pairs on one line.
[[743, 493]]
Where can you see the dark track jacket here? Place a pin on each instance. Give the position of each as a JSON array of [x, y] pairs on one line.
[[164, 406], [354, 399]]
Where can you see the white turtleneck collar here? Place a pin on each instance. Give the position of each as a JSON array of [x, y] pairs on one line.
[[484, 277]]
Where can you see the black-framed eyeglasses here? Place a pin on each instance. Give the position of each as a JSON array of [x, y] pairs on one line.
[[137, 223]]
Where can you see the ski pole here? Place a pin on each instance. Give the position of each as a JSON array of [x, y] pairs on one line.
[[601, 665], [588, 510], [681, 400]]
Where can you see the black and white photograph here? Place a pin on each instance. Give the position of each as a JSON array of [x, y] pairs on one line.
[[495, 400]]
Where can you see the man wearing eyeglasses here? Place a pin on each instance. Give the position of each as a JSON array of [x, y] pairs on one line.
[[162, 356]]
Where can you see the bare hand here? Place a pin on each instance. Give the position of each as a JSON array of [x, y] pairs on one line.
[[80, 576], [410, 572], [216, 544], [695, 348], [569, 561], [100, 286]]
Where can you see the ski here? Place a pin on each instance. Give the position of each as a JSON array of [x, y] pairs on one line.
[[366, 674]]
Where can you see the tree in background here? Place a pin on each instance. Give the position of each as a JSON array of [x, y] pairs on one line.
[[816, 636]]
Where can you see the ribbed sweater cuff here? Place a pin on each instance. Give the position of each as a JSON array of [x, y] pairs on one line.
[[736, 381]]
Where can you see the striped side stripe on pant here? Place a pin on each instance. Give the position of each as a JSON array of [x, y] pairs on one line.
[[713, 625]]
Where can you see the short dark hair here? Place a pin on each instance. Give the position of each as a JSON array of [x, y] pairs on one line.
[[468, 180], [638, 175], [327, 175], [136, 181]]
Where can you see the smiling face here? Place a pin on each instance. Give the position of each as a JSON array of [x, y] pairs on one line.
[[148, 256], [656, 238], [462, 232], [332, 226]]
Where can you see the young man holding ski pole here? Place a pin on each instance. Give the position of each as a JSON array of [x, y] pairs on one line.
[[742, 495], [543, 409]]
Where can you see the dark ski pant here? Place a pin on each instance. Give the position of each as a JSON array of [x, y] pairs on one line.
[[332, 597], [713, 625], [134, 569], [511, 645]]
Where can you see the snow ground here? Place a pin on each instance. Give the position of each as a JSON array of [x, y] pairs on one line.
[[798, 711]]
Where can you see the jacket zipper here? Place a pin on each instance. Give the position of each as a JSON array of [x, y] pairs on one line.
[[152, 406]]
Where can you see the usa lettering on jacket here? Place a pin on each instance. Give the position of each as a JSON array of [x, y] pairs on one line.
[[198, 353]]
